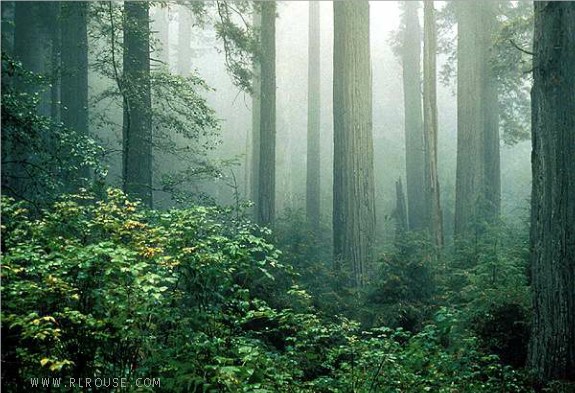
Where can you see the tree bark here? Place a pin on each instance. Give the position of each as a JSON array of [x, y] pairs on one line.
[[267, 179], [255, 139], [74, 87], [29, 47], [400, 214], [552, 347], [414, 142], [137, 129], [74, 72], [492, 139], [313, 119], [477, 177], [433, 205], [353, 185]]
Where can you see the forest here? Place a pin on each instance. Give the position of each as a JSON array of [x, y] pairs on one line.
[[292, 196]]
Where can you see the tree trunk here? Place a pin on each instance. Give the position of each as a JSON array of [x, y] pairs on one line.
[[414, 143], [137, 130], [30, 37], [552, 347], [267, 181], [54, 22], [184, 63], [477, 178], [74, 75], [400, 214], [492, 140], [313, 119], [353, 184], [255, 140], [433, 206]]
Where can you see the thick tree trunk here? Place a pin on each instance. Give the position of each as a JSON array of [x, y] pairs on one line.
[[353, 184], [30, 36], [137, 130], [74, 72], [477, 178], [54, 22], [29, 40], [414, 143], [552, 347], [74, 90], [267, 178], [492, 139], [433, 206], [313, 119]]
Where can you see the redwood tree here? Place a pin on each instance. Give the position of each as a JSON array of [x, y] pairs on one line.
[[477, 195], [137, 122], [267, 156], [414, 143], [434, 219], [353, 183], [313, 118], [552, 347]]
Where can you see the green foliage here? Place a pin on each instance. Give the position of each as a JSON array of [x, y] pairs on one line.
[[308, 250], [403, 293], [240, 39], [387, 360], [102, 288], [184, 126], [488, 280], [40, 158], [197, 298]]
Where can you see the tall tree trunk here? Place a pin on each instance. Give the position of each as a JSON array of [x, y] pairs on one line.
[[433, 208], [353, 184], [414, 143], [492, 139], [552, 347], [477, 178], [74, 74], [267, 180], [54, 22], [255, 135], [137, 130], [184, 63], [400, 214], [30, 37], [313, 118]]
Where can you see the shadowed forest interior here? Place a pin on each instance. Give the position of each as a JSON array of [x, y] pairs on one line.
[[292, 196]]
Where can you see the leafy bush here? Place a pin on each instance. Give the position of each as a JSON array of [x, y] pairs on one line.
[[103, 288], [403, 293], [195, 297], [40, 157]]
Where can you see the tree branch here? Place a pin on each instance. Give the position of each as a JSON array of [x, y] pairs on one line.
[[521, 49]]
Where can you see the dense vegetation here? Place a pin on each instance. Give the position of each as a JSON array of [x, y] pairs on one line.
[[198, 299], [139, 255]]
